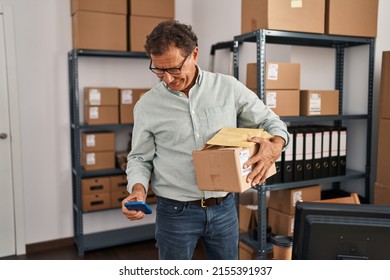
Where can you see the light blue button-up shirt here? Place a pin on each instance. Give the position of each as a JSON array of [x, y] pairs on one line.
[[168, 126]]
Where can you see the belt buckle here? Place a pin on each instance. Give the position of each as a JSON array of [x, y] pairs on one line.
[[202, 203]]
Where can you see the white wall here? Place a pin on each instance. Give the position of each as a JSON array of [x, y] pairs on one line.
[[43, 39]]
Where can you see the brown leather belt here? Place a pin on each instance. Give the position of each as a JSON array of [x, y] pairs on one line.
[[209, 201]]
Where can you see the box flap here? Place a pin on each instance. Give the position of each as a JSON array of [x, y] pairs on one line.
[[237, 137]]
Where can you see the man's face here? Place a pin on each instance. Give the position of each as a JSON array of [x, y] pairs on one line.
[[173, 58]]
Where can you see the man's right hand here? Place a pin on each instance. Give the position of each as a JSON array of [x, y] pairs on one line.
[[138, 194]]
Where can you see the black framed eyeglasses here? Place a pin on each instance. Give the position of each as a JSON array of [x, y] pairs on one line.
[[172, 71]]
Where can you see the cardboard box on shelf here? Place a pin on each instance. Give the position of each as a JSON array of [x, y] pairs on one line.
[[381, 194], [383, 163], [319, 102], [99, 31], [93, 202], [384, 104], [153, 8], [98, 160], [95, 185], [118, 183], [352, 199], [117, 197], [101, 115], [280, 222], [103, 6], [246, 252], [139, 28], [288, 15], [219, 165], [97, 141], [101, 96], [128, 98], [283, 102], [278, 75], [286, 199], [352, 17]]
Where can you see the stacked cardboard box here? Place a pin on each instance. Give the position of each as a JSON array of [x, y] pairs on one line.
[[101, 105], [99, 24], [98, 150], [302, 16], [282, 84], [96, 193], [128, 98], [281, 207], [319, 102], [335, 17], [144, 16], [352, 17], [382, 184], [118, 190]]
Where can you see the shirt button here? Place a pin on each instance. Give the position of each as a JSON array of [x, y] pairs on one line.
[[197, 135], [193, 112]]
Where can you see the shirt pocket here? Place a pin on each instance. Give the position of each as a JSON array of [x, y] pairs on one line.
[[219, 117]]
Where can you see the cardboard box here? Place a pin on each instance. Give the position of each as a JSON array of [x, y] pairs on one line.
[[117, 197], [98, 160], [278, 75], [140, 27], [352, 17], [289, 15], [245, 252], [93, 202], [128, 99], [381, 194], [219, 165], [95, 185], [103, 6], [97, 141], [280, 222], [319, 102], [153, 8], [99, 31], [384, 104], [101, 96], [285, 200], [101, 115], [118, 183], [352, 199], [283, 102], [383, 162]]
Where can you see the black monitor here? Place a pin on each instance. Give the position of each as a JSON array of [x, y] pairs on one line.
[[331, 231]]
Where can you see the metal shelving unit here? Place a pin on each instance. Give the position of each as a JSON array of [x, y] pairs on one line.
[[339, 43], [108, 238]]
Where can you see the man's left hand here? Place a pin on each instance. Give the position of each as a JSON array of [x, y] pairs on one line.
[[269, 151]]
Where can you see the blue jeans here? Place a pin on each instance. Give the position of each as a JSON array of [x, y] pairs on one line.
[[179, 226]]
